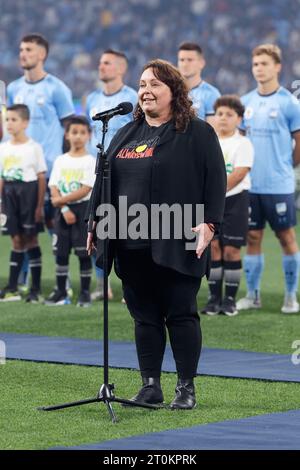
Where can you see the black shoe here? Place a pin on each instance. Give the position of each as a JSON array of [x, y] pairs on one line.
[[185, 395], [229, 307], [150, 393], [58, 298], [212, 307], [84, 299], [33, 297]]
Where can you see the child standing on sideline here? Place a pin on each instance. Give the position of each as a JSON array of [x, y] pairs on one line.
[[22, 191], [226, 247], [71, 181]]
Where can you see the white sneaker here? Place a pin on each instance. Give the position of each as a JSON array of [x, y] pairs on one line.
[[98, 294], [290, 304], [248, 303]]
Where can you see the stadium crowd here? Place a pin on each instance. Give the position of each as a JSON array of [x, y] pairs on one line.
[[227, 29]]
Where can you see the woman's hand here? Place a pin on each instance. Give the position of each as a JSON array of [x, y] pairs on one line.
[[205, 236], [90, 245]]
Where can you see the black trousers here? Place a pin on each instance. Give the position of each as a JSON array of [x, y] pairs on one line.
[[160, 298]]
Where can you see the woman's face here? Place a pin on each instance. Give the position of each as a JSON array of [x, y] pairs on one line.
[[154, 96]]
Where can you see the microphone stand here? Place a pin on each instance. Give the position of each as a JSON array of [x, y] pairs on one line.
[[106, 392]]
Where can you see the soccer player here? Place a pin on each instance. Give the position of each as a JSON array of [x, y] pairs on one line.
[[191, 62], [272, 122], [49, 101], [226, 246], [22, 191], [112, 69], [71, 181], [50, 104]]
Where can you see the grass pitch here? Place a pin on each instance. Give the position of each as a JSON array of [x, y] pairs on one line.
[[266, 330], [24, 386]]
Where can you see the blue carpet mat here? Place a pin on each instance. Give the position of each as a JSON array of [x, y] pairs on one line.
[[214, 362], [278, 431]]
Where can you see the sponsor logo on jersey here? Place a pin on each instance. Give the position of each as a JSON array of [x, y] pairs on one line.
[[248, 113], [273, 113], [19, 99], [40, 100]]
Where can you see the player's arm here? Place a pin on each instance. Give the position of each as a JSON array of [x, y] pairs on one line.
[[67, 214], [55, 194], [41, 178], [71, 197], [236, 177], [296, 151]]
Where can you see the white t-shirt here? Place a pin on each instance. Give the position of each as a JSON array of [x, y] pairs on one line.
[[71, 173], [21, 162], [238, 152]]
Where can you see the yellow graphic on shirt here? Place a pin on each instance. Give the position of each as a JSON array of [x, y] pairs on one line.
[[228, 164], [70, 180], [11, 168], [141, 148], [141, 151]]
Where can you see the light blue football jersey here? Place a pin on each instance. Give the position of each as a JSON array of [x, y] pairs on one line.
[[48, 100], [98, 101], [204, 97], [269, 121]]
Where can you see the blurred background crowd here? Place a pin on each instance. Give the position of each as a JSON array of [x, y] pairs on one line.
[[78, 32]]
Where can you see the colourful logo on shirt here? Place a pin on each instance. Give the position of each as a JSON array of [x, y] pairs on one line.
[[11, 168], [142, 149], [228, 165], [70, 180]]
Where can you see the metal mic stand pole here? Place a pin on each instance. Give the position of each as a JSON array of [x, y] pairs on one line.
[[106, 391]]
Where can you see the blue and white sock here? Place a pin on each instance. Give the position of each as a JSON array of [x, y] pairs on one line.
[[291, 267], [253, 268]]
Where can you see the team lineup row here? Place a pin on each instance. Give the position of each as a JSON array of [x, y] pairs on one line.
[[269, 116]]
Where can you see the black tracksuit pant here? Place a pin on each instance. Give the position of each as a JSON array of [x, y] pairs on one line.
[[159, 298]]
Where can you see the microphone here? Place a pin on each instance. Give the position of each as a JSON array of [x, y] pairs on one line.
[[122, 108]]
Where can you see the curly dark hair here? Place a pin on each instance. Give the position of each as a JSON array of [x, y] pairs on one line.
[[181, 104]]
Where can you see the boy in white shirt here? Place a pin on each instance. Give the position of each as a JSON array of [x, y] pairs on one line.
[[71, 181], [226, 247], [22, 191]]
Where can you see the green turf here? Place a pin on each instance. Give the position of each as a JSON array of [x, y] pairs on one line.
[[266, 330], [29, 385], [24, 386]]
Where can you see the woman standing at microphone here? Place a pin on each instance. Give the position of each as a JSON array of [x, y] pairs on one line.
[[166, 156]]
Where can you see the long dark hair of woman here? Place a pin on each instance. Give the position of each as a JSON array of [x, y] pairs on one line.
[[181, 105]]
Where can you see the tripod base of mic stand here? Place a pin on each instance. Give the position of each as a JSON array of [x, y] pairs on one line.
[[105, 395]]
